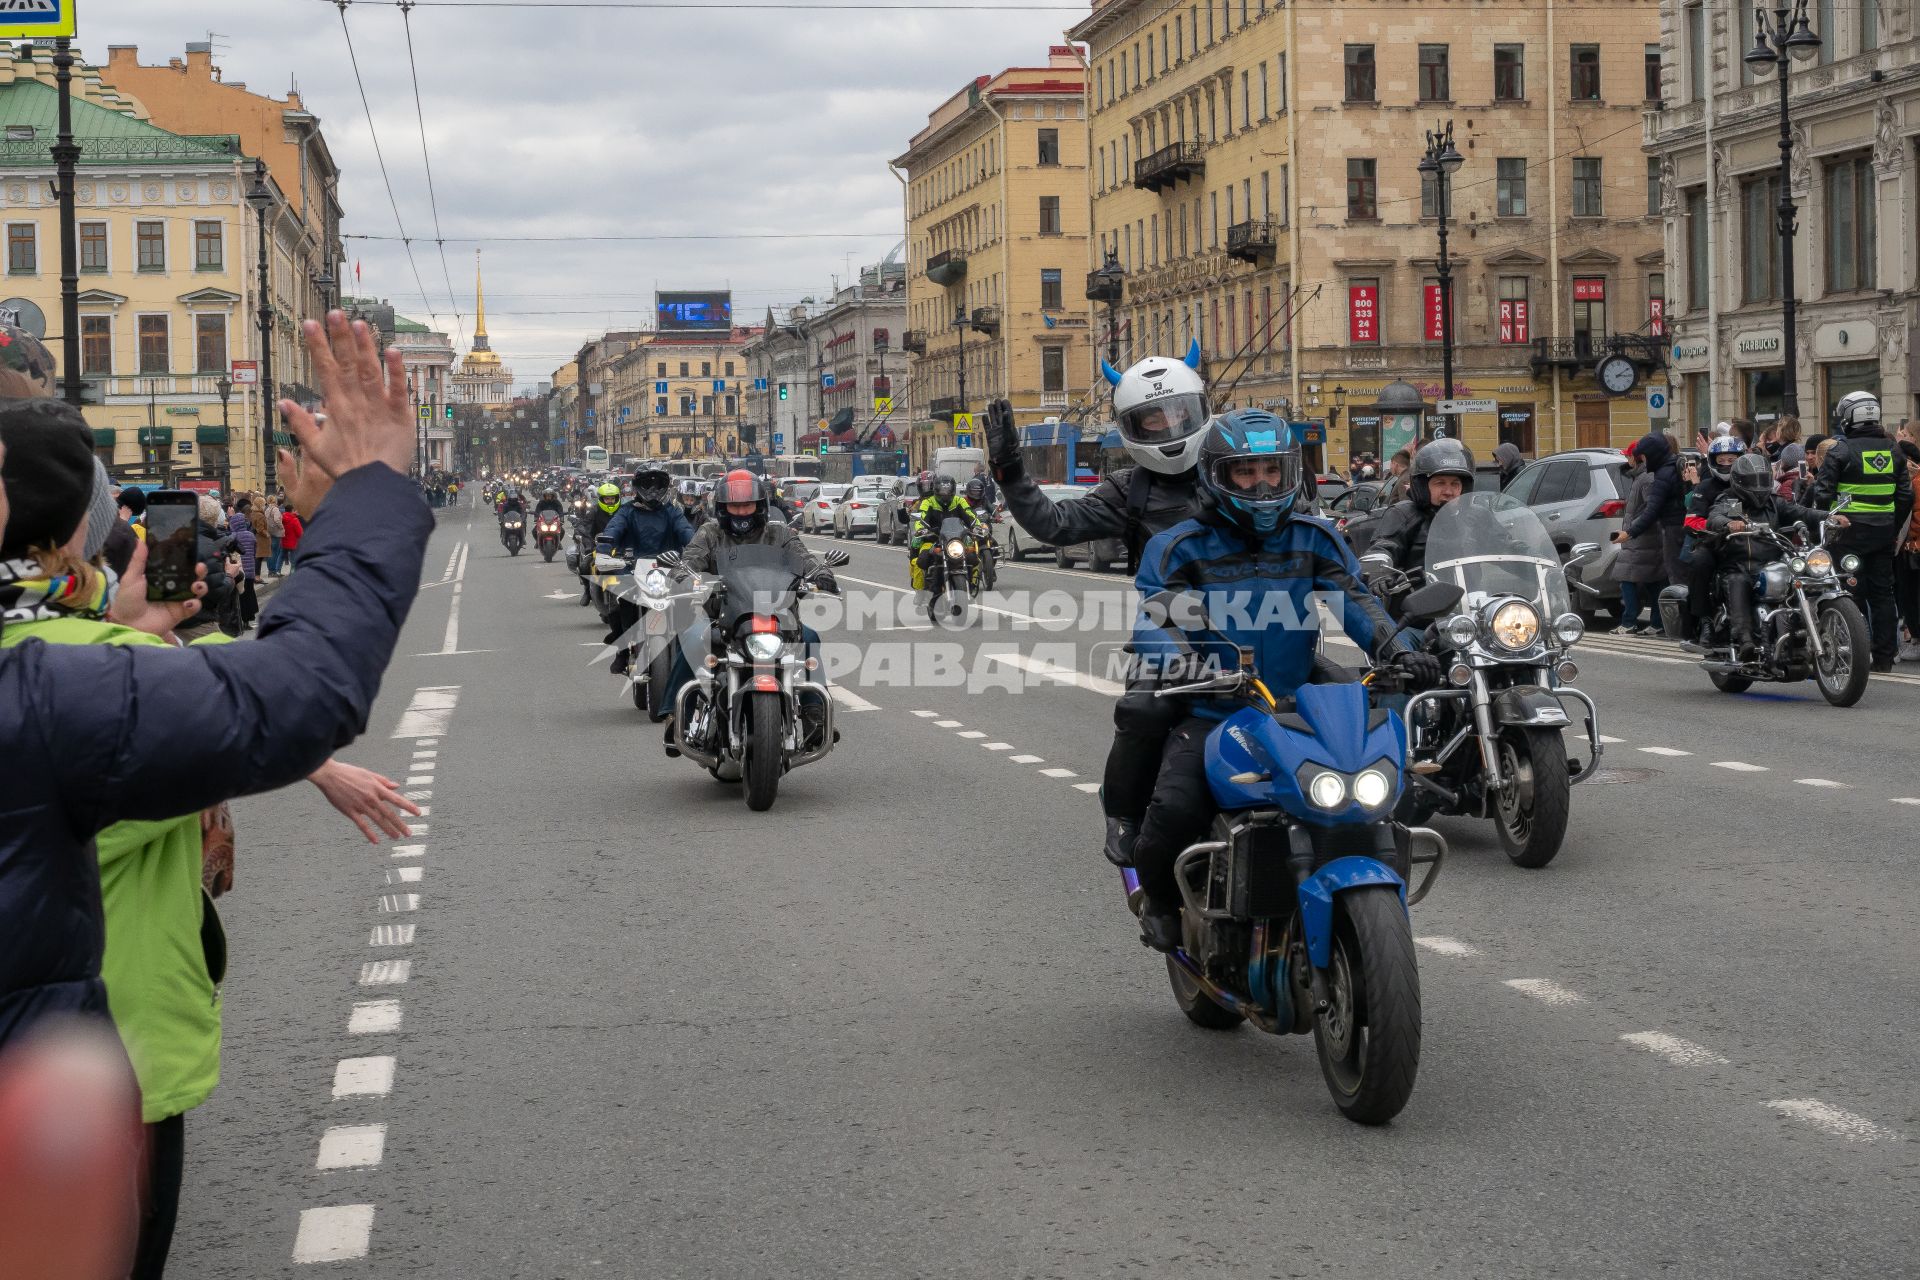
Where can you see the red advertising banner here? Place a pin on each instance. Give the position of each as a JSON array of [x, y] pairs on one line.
[[1363, 313], [1589, 289], [1513, 320], [1657, 317], [1436, 321]]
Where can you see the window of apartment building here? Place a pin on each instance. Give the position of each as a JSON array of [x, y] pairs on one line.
[[1694, 201], [1153, 230], [1053, 369], [1286, 196], [1363, 311], [683, 368], [150, 243], [1696, 51], [1266, 196], [1213, 219], [93, 247], [706, 406], [1657, 304], [1587, 198], [1759, 240], [210, 344], [1266, 102], [1099, 86], [23, 249], [1589, 314], [1825, 26], [1514, 324], [1362, 192], [732, 406], [880, 337], [1183, 231], [1209, 28], [1149, 56], [1868, 25], [154, 355], [1744, 32], [1179, 38], [1509, 72], [1135, 81], [660, 369], [1510, 187], [1360, 73], [1050, 299], [706, 368], [1850, 224], [1166, 49], [1433, 73], [1583, 79], [1654, 187], [96, 345], [1246, 99], [209, 252], [1049, 215], [1653, 73], [686, 405], [1231, 218], [1429, 196], [659, 408], [1049, 146]]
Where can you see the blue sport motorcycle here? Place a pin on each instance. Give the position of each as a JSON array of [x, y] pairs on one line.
[[1294, 912]]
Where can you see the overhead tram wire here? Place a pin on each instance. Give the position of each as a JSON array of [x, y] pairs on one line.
[[433, 200], [367, 106], [581, 239]]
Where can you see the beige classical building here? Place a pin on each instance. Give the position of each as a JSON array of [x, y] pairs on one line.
[[1855, 114], [481, 378], [996, 211], [1255, 175]]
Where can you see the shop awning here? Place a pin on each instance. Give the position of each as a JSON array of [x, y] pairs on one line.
[[156, 435], [103, 437], [210, 435]]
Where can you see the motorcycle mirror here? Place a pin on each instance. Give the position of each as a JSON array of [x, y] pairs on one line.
[[670, 559], [1430, 601], [834, 558], [1583, 552]]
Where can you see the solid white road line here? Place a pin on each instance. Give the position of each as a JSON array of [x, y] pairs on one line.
[[409, 850], [1739, 766], [970, 734], [1058, 674], [374, 1017], [385, 973], [1058, 773], [333, 1234], [1828, 1119], [1091, 788], [1681, 1053], [849, 699], [1028, 759], [391, 935], [352, 1146], [404, 875], [363, 1077], [429, 712], [1664, 751], [394, 902], [1824, 782], [948, 724], [1447, 946], [1544, 990]]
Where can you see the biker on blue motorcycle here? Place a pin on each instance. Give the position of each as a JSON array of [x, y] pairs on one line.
[[1258, 569], [641, 529]]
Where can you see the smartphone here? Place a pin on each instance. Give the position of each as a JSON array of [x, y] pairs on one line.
[[173, 543]]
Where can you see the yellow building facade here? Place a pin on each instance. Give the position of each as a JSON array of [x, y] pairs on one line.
[[1255, 174], [995, 190]]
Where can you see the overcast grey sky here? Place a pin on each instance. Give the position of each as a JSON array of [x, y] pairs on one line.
[[570, 122]]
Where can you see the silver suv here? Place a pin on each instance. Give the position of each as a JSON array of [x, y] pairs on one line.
[[1581, 496]]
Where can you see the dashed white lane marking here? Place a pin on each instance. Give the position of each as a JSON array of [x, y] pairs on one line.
[[425, 811], [333, 1234], [428, 713], [420, 780], [363, 1077], [425, 755], [1028, 759], [1090, 788], [1823, 782], [998, 746], [1607, 741], [420, 794], [404, 875], [849, 699], [428, 742], [1447, 946], [391, 935], [1829, 1119], [409, 850], [418, 828], [1058, 674], [1739, 766], [374, 1017], [1547, 991], [1664, 751], [1058, 773], [1681, 1053], [1906, 799], [970, 734], [352, 1146], [385, 973], [393, 902], [926, 715], [948, 724]]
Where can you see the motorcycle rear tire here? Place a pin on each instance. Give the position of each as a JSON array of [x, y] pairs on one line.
[[765, 756], [1533, 832], [1844, 688], [1369, 1040], [1729, 682]]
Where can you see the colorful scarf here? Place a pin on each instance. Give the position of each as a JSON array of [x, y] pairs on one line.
[[29, 594]]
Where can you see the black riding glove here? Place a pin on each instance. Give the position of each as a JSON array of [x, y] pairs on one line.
[[1003, 442], [1422, 668]]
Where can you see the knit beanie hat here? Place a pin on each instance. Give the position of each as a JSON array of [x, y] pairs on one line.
[[102, 512], [48, 472]]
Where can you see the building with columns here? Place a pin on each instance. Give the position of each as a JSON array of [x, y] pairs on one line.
[[481, 379]]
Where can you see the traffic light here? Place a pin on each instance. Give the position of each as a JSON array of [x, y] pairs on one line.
[[783, 391], [449, 413]]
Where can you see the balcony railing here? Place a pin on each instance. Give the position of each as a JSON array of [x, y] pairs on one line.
[[160, 384], [1053, 399], [948, 266], [1570, 354], [1251, 241], [1168, 165], [914, 341], [986, 320]]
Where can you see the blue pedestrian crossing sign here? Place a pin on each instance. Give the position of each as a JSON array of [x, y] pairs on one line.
[[779, 441], [1657, 402], [28, 19]]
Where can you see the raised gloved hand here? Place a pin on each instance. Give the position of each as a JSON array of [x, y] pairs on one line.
[[1003, 441]]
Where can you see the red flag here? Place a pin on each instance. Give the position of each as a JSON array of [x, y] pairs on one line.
[[356, 271]]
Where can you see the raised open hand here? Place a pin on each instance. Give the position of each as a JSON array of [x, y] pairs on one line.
[[367, 418]]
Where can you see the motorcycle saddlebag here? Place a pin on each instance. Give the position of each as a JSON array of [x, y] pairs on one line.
[[1673, 612], [917, 575]]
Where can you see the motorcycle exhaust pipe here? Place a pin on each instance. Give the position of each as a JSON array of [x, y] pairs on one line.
[[681, 704], [1130, 880]]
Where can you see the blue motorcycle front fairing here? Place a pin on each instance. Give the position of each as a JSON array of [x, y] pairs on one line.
[[1332, 726], [1316, 899]]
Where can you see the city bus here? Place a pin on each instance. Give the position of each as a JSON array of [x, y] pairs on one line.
[[1064, 453], [841, 468], [806, 466], [594, 457]]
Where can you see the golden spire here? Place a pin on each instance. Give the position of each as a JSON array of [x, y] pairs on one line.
[[480, 307]]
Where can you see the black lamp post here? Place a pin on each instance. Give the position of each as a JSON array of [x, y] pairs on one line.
[[960, 323], [1440, 163], [1107, 285], [1777, 45], [224, 385], [261, 198]]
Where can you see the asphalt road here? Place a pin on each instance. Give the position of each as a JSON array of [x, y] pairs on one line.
[[899, 1025]]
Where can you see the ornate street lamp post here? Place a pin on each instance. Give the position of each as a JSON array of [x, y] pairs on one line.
[[1440, 163], [261, 198], [1778, 44]]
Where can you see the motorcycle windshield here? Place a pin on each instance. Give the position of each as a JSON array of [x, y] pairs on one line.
[[1491, 544], [953, 527], [759, 579]]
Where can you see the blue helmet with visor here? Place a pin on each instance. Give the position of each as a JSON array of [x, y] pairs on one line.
[[1249, 470]]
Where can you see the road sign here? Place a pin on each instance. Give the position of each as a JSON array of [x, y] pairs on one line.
[[719, 385], [963, 439], [1657, 402], [779, 441], [759, 384], [1468, 406], [246, 373], [25, 314], [425, 413], [31, 19], [962, 422], [827, 380], [883, 404]]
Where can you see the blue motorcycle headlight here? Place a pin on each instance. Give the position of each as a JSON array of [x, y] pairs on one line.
[[1372, 788], [1327, 790]]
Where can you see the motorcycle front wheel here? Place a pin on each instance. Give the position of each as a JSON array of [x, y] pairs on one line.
[[1531, 814], [1369, 1037], [548, 553], [659, 672], [764, 754], [1848, 662]]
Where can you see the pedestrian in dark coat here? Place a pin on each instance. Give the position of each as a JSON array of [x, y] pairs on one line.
[[1640, 564], [1664, 510], [240, 525]]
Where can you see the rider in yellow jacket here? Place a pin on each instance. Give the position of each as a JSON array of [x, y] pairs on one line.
[[927, 517]]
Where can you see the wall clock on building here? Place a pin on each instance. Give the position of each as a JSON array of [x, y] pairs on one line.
[[1617, 374]]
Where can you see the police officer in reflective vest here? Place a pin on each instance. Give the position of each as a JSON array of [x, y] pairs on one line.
[[1863, 468]]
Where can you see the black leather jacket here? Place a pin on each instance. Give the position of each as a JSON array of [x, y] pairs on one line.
[[1132, 505]]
